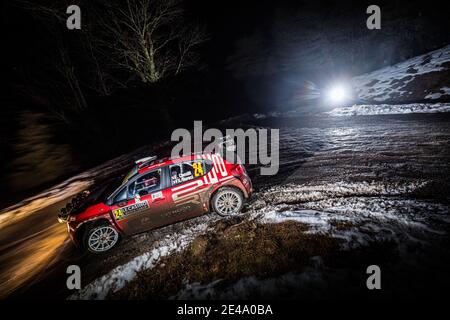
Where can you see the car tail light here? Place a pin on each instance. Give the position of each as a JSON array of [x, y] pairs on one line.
[[238, 171]]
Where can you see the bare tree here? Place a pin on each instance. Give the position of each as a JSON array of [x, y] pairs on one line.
[[148, 38], [120, 40]]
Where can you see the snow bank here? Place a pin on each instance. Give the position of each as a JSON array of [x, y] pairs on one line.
[[367, 109], [445, 91], [319, 215], [377, 211], [297, 194], [391, 83], [117, 278]]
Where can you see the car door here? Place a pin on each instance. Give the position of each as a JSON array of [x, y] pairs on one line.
[[188, 192], [141, 204]]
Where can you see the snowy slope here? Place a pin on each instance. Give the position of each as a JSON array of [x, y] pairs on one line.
[[117, 278], [377, 109], [422, 78]]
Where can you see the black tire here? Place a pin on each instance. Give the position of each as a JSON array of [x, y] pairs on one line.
[[227, 201], [100, 238]]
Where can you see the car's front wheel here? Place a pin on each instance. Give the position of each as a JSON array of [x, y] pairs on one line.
[[101, 238], [228, 201]]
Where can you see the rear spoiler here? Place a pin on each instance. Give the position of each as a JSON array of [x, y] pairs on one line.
[[144, 161]]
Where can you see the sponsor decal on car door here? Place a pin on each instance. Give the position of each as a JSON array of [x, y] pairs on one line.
[[141, 215], [147, 205]]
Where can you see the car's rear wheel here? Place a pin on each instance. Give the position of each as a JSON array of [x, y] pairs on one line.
[[228, 201], [101, 238]]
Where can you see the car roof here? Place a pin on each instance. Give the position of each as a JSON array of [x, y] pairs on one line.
[[167, 161]]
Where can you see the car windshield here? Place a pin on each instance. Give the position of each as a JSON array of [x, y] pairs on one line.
[[111, 186], [131, 173]]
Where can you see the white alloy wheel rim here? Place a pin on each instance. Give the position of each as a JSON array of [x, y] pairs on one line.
[[228, 202], [103, 239]]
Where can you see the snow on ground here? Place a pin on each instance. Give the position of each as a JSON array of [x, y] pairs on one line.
[[445, 91], [383, 220], [374, 213], [381, 211], [375, 109], [391, 83], [295, 194], [396, 218], [117, 278], [367, 109]]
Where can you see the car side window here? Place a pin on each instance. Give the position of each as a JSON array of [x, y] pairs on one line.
[[189, 170], [146, 184]]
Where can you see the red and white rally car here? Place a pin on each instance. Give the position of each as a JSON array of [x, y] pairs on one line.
[[155, 193]]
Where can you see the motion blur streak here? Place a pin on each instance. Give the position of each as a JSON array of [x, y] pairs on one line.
[[38, 236], [25, 260], [29, 206]]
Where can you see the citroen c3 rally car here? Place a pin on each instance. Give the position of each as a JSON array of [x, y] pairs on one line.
[[155, 193]]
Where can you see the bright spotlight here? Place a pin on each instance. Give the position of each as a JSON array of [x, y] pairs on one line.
[[337, 95]]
